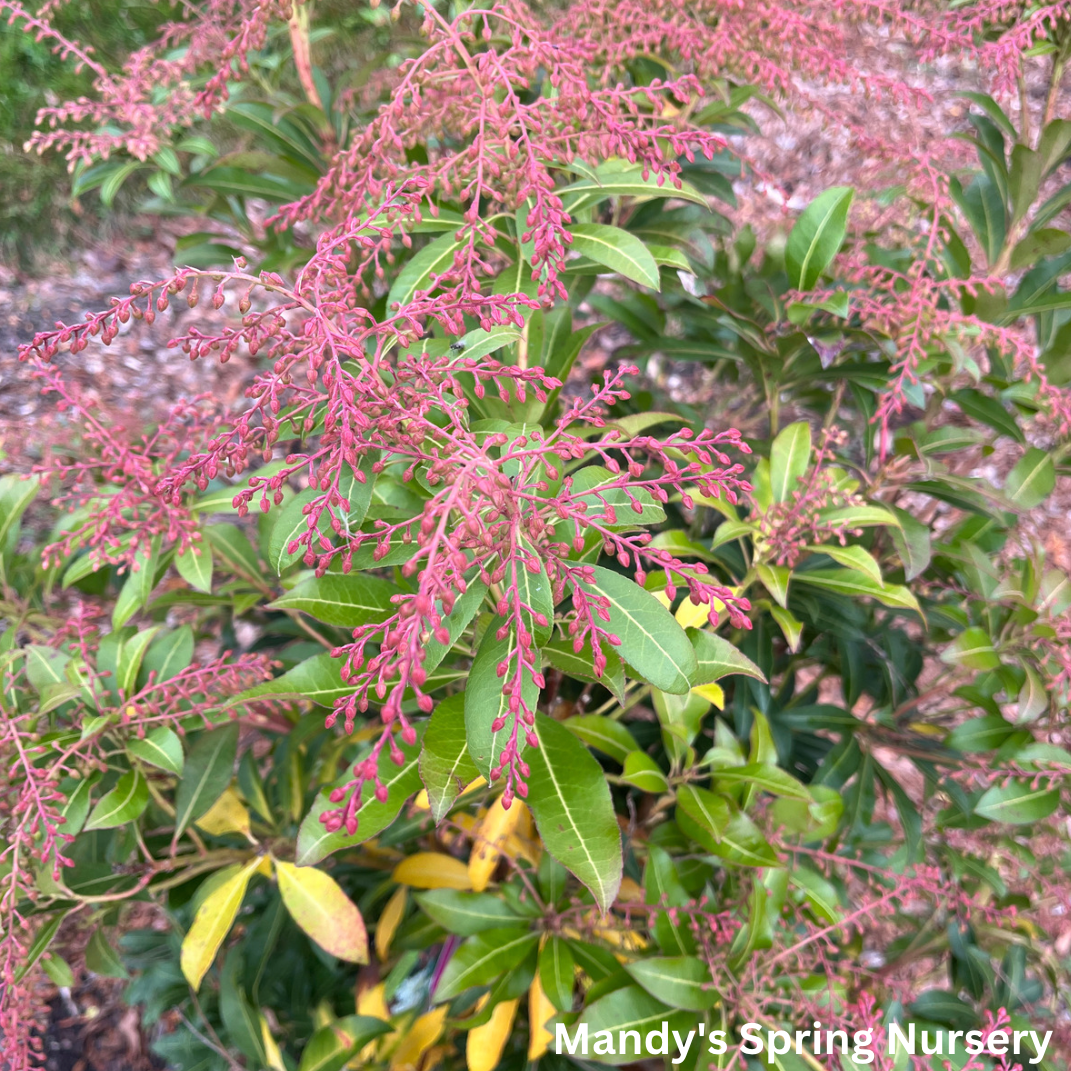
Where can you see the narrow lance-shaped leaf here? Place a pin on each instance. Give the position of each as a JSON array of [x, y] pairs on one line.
[[570, 801], [817, 237], [320, 907], [212, 923], [209, 766]]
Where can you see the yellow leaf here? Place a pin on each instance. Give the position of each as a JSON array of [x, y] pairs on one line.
[[265, 866], [712, 693], [372, 1002], [419, 1039], [272, 1056], [488, 838], [320, 907], [388, 921], [691, 616], [227, 815], [473, 786], [485, 1044], [539, 1011], [422, 803], [630, 891], [212, 923], [432, 870], [322, 1015], [663, 598]]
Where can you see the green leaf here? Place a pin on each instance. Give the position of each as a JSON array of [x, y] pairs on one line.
[[436, 257], [817, 237], [791, 628], [702, 815], [455, 623], [631, 1008], [912, 542], [766, 776], [208, 770], [627, 183], [102, 958], [742, 843], [556, 972], [335, 1045], [445, 766], [642, 772], [168, 654], [790, 457], [318, 678], [853, 557], [123, 803], [315, 842], [292, 522], [16, 494], [972, 648], [466, 913], [483, 958], [651, 640], [45, 666], [1017, 803], [989, 411], [560, 654], [43, 938], [617, 250], [347, 600], [1032, 480], [160, 748], [229, 543], [604, 734], [137, 588], [194, 565], [131, 652], [679, 981], [570, 801], [775, 579], [717, 657], [662, 886], [850, 582], [484, 701]]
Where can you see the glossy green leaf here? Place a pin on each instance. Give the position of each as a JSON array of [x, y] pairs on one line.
[[466, 913], [852, 583], [766, 776], [642, 772], [631, 1009], [972, 648], [337, 599], [817, 237], [435, 258], [161, 748], [617, 250], [604, 734], [483, 958], [1032, 479], [717, 657], [194, 565], [790, 457], [679, 981], [560, 655], [570, 801], [123, 803], [651, 640], [335, 1045], [208, 770], [1018, 803], [556, 970], [445, 765]]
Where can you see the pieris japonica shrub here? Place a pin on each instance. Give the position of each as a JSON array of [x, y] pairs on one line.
[[452, 684]]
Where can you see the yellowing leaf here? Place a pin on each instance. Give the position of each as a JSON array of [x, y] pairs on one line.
[[432, 870], [630, 891], [484, 1048], [372, 1002], [418, 1040], [320, 907], [489, 838], [272, 1056], [712, 693], [388, 921], [473, 786], [663, 598], [211, 924], [227, 815], [422, 803], [540, 1010]]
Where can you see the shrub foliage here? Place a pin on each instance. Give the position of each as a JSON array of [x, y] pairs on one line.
[[455, 682]]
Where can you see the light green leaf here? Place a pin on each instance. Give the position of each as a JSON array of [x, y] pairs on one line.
[[642, 772], [817, 237], [708, 814], [679, 981], [850, 582], [972, 648], [631, 1008], [1017, 803], [194, 565], [853, 557], [466, 913], [483, 957], [335, 1045], [617, 250], [123, 803], [604, 734], [1032, 480], [774, 579], [766, 776], [347, 600], [717, 657], [160, 748], [790, 457], [436, 257], [318, 678]]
